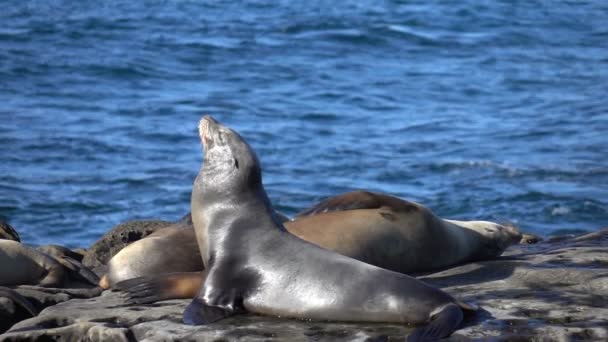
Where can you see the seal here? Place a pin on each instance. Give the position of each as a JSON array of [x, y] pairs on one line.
[[255, 265], [376, 228], [172, 249], [22, 265]]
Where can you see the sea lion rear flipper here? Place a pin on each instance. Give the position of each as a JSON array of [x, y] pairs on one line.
[[80, 271], [198, 313], [150, 289], [18, 299], [443, 323]]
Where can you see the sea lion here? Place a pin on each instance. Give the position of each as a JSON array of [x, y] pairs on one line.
[[376, 228], [255, 265], [173, 249], [22, 265]]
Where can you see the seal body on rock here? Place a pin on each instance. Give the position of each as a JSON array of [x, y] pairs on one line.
[[173, 249], [255, 265], [121, 235], [398, 235], [23, 265]]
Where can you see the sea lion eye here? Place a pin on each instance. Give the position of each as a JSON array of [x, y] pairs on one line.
[[220, 136], [236, 163]]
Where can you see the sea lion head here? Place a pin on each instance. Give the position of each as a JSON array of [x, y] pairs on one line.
[[229, 162], [495, 238]]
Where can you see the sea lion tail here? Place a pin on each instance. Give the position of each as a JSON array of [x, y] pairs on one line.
[[150, 289], [443, 322]]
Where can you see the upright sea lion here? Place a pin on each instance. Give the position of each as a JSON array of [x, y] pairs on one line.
[[23, 265], [255, 265]]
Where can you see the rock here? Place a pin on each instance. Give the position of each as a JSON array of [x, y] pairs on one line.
[[556, 291], [162, 321], [8, 233], [546, 291], [25, 301], [13, 308], [43, 297], [117, 238]]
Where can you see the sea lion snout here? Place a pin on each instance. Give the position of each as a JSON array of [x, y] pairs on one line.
[[513, 232], [205, 129]]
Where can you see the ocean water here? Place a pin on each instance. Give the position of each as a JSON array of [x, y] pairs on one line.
[[494, 110]]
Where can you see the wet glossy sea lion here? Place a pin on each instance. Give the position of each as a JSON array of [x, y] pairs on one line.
[[23, 265], [255, 265]]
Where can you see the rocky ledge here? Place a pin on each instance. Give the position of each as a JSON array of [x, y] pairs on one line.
[[552, 290]]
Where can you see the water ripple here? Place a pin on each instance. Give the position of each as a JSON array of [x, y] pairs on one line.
[[477, 110]]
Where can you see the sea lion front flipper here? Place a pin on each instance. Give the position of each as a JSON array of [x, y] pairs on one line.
[[150, 289], [443, 323], [198, 313], [359, 199], [18, 299]]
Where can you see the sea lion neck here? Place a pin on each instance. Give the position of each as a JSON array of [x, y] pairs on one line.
[[228, 201]]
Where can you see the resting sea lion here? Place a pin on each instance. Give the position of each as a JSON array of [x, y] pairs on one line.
[[255, 265], [22, 265], [172, 249]]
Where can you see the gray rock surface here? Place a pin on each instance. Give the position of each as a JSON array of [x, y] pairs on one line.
[[554, 290], [119, 237], [13, 308]]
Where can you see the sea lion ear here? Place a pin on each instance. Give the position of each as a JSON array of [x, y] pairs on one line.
[[236, 163]]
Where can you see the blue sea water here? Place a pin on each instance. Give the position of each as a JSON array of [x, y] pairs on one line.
[[492, 110]]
